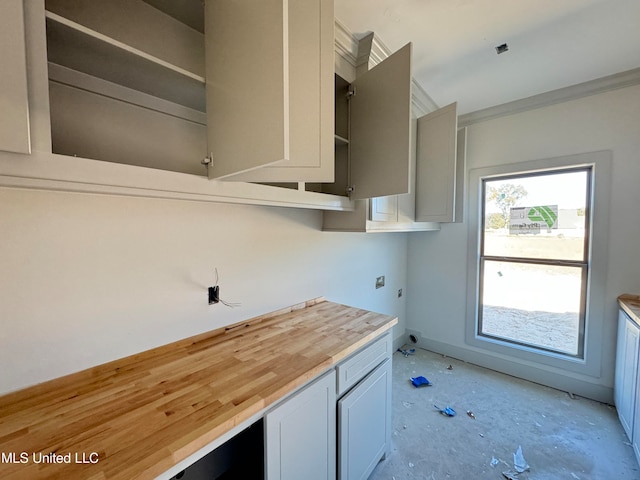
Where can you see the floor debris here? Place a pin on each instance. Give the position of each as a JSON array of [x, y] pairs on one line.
[[494, 461], [448, 411], [450, 367], [407, 352], [420, 381], [471, 414], [519, 463]]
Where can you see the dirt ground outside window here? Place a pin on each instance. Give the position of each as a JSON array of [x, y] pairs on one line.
[[537, 305]]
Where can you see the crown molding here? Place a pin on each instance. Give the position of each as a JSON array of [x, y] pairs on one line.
[[421, 100], [600, 85], [346, 45], [367, 52]]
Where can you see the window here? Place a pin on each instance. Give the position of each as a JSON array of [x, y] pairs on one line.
[[533, 262], [513, 351]]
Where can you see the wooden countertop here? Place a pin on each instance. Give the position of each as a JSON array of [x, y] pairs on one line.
[[630, 304], [144, 413]]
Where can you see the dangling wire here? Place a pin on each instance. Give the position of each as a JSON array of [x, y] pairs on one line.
[[227, 304]]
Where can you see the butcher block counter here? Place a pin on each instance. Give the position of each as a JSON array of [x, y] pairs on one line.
[[139, 416], [631, 305]]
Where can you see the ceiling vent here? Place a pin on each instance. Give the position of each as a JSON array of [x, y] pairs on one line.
[[502, 48]]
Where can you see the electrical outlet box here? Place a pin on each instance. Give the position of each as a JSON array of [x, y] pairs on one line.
[[214, 295], [380, 282]]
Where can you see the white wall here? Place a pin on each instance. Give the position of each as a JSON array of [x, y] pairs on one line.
[[437, 273], [90, 278]]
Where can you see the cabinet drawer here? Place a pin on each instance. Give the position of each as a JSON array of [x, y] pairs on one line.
[[360, 364]]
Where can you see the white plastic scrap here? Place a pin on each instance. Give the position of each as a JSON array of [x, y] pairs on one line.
[[519, 463]]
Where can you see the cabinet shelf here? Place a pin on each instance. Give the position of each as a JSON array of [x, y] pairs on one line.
[[80, 48]]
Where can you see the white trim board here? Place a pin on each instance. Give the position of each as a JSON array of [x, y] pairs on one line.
[[592, 87], [536, 374], [75, 174]]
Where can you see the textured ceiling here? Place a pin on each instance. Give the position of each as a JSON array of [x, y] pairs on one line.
[[552, 43]]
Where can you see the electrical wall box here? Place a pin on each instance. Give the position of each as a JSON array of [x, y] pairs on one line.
[[214, 295]]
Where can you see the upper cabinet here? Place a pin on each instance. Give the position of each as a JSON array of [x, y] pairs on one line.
[[233, 90], [429, 185], [392, 213], [399, 213], [126, 85], [225, 100], [269, 70], [14, 108]]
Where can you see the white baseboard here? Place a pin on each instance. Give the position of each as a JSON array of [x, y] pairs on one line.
[[565, 383]]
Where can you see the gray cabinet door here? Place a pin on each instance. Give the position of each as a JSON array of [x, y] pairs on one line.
[[300, 434], [380, 128], [364, 424], [247, 85], [14, 108], [436, 165], [269, 70]]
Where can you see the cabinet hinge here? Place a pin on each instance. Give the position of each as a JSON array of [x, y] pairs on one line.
[[208, 160], [351, 92], [350, 189]]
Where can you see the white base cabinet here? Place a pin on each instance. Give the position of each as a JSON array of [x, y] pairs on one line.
[[340, 423], [626, 376], [300, 434], [364, 425]]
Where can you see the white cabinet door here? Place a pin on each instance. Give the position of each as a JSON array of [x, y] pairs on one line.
[[380, 128], [364, 425], [635, 430], [436, 165], [14, 108], [300, 434], [626, 371], [269, 71], [384, 209]]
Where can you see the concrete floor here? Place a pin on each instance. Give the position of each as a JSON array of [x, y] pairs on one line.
[[562, 437]]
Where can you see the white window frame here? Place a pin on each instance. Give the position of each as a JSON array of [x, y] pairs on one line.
[[591, 361]]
